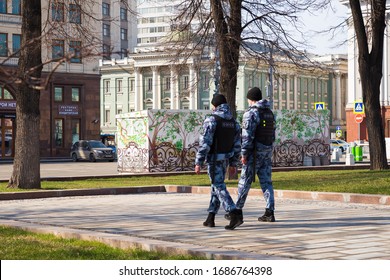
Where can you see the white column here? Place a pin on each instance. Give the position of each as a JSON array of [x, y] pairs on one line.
[[173, 87], [353, 73], [288, 92], [384, 84], [280, 93], [156, 88], [175, 98], [295, 92], [338, 96], [193, 87], [176, 80], [138, 92]]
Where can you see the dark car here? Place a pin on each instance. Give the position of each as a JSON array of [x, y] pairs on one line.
[[91, 150]]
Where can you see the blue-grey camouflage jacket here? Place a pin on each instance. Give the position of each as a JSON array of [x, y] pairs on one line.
[[250, 121], [206, 139]]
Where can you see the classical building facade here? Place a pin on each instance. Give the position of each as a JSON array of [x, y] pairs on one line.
[[151, 80], [70, 102]]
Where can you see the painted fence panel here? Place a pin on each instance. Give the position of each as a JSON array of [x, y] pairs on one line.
[[167, 140]]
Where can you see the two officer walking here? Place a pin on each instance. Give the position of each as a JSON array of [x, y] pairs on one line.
[[221, 144]]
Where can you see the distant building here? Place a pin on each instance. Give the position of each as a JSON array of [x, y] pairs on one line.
[[70, 103], [149, 80]]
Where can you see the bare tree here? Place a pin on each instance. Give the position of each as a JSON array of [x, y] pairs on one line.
[[262, 29], [26, 170], [254, 28], [369, 31], [42, 25]]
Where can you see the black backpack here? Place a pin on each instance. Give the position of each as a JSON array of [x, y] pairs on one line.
[[223, 141], [265, 131]]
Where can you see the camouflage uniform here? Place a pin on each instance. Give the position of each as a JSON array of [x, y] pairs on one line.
[[217, 166], [251, 119]]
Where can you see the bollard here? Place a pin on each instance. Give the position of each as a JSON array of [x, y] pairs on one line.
[[335, 155], [349, 159], [359, 153]]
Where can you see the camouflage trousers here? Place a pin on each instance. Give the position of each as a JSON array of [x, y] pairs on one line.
[[219, 193], [264, 173]]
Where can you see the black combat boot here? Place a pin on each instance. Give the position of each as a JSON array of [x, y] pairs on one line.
[[227, 216], [268, 216], [210, 220], [236, 219]]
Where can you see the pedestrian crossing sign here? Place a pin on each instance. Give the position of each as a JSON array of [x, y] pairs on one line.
[[358, 108], [319, 106]]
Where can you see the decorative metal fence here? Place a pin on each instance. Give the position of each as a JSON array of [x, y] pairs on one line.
[[167, 158]]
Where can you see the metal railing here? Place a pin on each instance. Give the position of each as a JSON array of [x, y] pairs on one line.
[[166, 157]]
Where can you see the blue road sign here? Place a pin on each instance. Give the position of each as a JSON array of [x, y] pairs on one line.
[[319, 105], [358, 108]]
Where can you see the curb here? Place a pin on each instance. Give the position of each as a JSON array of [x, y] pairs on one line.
[[315, 196], [132, 242]]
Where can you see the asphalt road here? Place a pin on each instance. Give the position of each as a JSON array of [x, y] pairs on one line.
[[66, 169]]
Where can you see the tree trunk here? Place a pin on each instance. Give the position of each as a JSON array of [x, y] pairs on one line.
[[228, 37], [378, 159], [370, 70], [26, 169]]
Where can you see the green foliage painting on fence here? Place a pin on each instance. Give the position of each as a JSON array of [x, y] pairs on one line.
[[169, 137]]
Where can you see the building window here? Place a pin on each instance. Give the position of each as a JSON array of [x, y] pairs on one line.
[[206, 84], [132, 83], [75, 49], [123, 53], [167, 105], [186, 82], [150, 84], [106, 52], [16, 7], [107, 115], [75, 130], [16, 41], [58, 94], [106, 86], [3, 6], [59, 132], [106, 30], [58, 49], [167, 83], [123, 34], [149, 105], [5, 94], [123, 14], [106, 9], [3, 44], [119, 111], [74, 13], [119, 86], [57, 12], [75, 94]]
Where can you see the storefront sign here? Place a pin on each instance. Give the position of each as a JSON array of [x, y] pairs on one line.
[[8, 104], [72, 110]]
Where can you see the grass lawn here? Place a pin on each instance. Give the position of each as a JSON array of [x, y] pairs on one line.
[[347, 181], [18, 244]]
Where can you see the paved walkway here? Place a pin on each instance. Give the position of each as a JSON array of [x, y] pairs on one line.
[[170, 221]]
